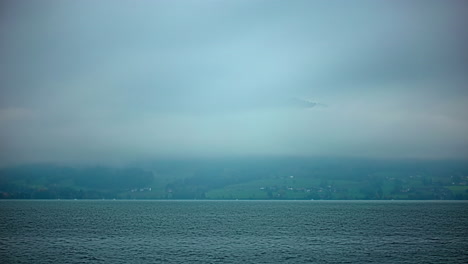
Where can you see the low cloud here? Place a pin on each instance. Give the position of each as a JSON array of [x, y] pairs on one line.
[[15, 114], [160, 79]]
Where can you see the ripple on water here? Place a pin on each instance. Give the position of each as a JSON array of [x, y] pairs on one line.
[[233, 232]]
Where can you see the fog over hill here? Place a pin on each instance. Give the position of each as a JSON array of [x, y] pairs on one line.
[[252, 178], [233, 99], [111, 83]]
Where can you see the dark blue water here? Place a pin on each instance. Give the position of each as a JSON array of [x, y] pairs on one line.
[[233, 232]]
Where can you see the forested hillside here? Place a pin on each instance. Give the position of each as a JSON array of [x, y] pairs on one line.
[[242, 179]]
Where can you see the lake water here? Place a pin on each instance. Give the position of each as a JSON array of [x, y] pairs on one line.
[[233, 232]]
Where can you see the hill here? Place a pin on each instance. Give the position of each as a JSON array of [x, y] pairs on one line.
[[280, 178]]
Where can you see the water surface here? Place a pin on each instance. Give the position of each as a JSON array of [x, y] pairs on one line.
[[233, 232]]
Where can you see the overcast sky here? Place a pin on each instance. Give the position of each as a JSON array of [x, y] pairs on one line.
[[120, 81]]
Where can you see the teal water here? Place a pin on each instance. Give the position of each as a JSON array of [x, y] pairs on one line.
[[233, 232]]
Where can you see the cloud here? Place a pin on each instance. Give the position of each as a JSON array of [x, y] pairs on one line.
[[306, 103], [147, 79], [15, 114]]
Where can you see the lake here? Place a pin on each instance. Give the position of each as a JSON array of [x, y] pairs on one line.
[[68, 231]]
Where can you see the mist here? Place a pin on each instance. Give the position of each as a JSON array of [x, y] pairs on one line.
[[116, 82]]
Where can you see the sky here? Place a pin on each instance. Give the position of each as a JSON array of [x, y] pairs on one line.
[[121, 81]]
